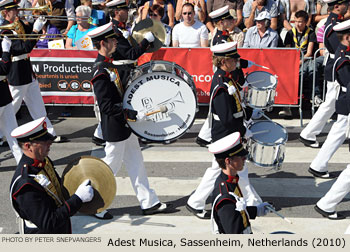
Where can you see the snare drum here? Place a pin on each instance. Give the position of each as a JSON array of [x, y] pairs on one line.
[[266, 149], [159, 84], [261, 89]]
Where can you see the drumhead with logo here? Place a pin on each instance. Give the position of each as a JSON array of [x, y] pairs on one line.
[[160, 89]]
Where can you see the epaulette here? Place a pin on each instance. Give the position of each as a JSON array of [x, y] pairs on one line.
[[225, 195]]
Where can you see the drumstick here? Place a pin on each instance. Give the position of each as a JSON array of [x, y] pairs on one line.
[[261, 66], [260, 132], [162, 109], [255, 81], [280, 215]]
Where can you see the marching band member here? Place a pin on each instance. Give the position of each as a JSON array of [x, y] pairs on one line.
[[228, 117], [8, 120], [125, 52], [326, 206], [36, 191], [338, 9], [23, 85], [337, 134], [121, 144], [230, 213]]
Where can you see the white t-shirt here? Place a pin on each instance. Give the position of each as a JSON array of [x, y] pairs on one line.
[[190, 36]]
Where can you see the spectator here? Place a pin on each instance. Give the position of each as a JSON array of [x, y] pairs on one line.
[[81, 28], [168, 17], [321, 11], [157, 12], [236, 5], [236, 34], [224, 19], [303, 38], [47, 29], [190, 33], [252, 8], [96, 15], [199, 9], [64, 8], [261, 35]]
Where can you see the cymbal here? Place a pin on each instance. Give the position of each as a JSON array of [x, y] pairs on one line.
[[149, 25], [101, 177]]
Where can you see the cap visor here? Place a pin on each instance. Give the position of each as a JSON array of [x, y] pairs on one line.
[[46, 137], [242, 153]]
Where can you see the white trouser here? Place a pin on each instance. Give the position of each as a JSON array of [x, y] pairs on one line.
[[129, 152], [335, 139], [205, 132], [324, 112], [198, 198], [338, 191], [98, 130], [30, 94], [8, 122]]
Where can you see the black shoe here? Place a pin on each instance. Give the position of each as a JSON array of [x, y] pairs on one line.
[[60, 139], [309, 143], [3, 143], [332, 216], [201, 142], [98, 141], [324, 175], [104, 215], [159, 208], [201, 214]]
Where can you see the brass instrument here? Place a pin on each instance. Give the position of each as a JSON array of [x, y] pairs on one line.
[[15, 26], [47, 8], [101, 177]]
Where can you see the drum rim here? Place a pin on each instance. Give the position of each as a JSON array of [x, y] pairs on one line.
[[263, 88], [270, 144], [194, 91]]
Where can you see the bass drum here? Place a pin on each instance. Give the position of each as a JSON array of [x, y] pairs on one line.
[[161, 85]]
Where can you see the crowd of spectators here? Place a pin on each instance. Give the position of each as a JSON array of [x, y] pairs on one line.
[[254, 24]]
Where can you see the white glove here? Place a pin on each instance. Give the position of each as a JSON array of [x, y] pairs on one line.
[[257, 114], [6, 44], [250, 64], [42, 180], [262, 209], [39, 23], [241, 204], [149, 36], [126, 34], [85, 192], [141, 116], [248, 134]]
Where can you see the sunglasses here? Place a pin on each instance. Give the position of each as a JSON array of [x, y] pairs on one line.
[[186, 13]]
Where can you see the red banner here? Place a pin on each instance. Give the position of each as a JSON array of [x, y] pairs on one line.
[[198, 62], [64, 75]]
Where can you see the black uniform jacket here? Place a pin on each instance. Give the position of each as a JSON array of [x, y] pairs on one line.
[[229, 220], [21, 72], [331, 42], [342, 74], [223, 37], [227, 107], [32, 203], [124, 49], [5, 65], [110, 102]]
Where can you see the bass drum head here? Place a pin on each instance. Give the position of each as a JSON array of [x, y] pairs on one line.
[[276, 134], [261, 80], [151, 90]]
